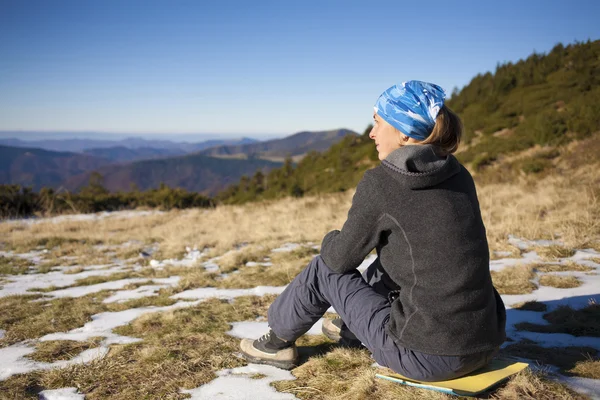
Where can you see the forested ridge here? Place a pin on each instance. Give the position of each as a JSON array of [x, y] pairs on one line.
[[546, 99]]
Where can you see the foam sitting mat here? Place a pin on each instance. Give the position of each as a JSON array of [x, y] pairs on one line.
[[469, 385]]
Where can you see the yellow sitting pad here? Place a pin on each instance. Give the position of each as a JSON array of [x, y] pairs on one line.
[[469, 385]]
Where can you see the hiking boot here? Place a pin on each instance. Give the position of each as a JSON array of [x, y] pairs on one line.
[[336, 330], [270, 350]]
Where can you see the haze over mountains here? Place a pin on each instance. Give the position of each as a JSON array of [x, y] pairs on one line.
[[79, 145], [146, 164], [277, 149]]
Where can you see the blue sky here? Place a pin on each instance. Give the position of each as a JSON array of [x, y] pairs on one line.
[[256, 68]]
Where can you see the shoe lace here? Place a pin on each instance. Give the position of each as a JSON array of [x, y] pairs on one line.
[[265, 338]]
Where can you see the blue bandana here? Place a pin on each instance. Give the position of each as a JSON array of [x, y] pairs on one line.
[[411, 107]]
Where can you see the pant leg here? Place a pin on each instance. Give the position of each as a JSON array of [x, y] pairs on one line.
[[365, 312], [315, 289]]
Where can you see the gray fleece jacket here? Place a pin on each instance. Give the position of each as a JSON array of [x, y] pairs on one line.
[[420, 211]]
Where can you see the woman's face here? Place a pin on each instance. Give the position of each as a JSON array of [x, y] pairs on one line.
[[386, 137]]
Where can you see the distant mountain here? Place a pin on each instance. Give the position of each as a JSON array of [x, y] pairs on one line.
[[125, 154], [42, 168], [294, 145], [81, 145], [193, 172]]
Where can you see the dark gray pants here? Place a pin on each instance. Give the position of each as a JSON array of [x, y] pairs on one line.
[[365, 310]]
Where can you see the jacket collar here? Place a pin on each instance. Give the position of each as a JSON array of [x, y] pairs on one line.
[[421, 166]]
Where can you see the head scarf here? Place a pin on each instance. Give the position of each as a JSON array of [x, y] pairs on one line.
[[411, 107]]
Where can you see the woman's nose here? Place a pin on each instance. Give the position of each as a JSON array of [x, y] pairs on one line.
[[372, 133]]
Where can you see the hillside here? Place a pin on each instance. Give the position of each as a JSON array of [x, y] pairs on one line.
[[193, 172], [294, 145], [42, 168], [544, 100]]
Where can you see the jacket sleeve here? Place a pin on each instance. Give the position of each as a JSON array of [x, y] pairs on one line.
[[345, 250]]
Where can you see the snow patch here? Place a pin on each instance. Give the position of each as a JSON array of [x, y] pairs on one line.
[[143, 291], [13, 361], [525, 244], [80, 291], [70, 393], [577, 297], [20, 284], [257, 264], [287, 247], [587, 386], [189, 259], [228, 294], [250, 382], [528, 258], [84, 217], [102, 325], [255, 329]]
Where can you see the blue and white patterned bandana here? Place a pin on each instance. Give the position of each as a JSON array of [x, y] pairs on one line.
[[411, 107]]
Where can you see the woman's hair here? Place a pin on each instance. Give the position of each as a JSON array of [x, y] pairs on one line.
[[447, 131]]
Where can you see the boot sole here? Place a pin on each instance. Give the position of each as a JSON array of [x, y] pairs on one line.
[[287, 365]]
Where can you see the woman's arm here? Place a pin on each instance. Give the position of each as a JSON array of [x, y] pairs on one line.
[[345, 250]]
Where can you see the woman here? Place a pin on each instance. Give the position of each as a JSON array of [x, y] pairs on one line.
[[426, 307]]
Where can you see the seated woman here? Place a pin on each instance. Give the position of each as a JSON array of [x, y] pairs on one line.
[[426, 307]]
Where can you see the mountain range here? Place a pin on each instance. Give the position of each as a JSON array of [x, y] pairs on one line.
[[295, 146], [78, 145], [127, 164]]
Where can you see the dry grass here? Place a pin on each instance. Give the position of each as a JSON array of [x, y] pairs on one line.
[[559, 281], [14, 266], [235, 259], [582, 322], [528, 385], [570, 266], [589, 368], [23, 319], [554, 252], [514, 280], [55, 350], [182, 348], [565, 202], [268, 224]]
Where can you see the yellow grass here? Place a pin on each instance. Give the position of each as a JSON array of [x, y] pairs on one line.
[[514, 280], [528, 385], [589, 368], [558, 281], [570, 266], [55, 350]]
